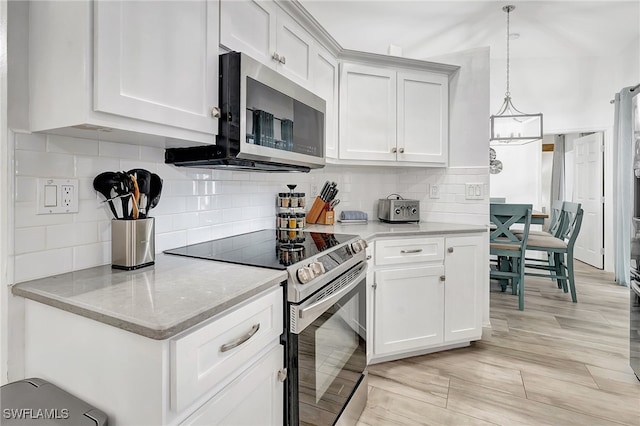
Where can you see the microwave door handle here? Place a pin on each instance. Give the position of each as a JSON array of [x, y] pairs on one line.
[[316, 309]]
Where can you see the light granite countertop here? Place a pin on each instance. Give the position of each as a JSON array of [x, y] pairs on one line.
[[157, 301], [177, 292], [376, 229]]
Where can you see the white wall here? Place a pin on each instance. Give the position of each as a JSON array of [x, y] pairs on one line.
[[521, 176]]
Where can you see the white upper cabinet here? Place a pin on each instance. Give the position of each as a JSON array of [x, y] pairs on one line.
[[393, 116], [157, 61], [423, 117], [249, 27], [144, 68], [367, 113], [268, 34], [325, 71]]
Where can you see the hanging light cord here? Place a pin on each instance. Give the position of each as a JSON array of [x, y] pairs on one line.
[[508, 9]]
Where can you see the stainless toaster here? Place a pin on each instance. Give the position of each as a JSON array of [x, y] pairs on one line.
[[395, 211]]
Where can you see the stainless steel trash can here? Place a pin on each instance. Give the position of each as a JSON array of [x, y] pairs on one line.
[[36, 401]]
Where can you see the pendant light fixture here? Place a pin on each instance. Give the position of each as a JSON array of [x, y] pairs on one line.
[[510, 125]]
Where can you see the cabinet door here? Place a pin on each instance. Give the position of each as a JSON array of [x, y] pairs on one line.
[[367, 113], [254, 398], [466, 269], [295, 48], [409, 307], [325, 73], [157, 61], [423, 120], [249, 27]]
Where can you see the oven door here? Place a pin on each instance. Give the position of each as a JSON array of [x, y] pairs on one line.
[[327, 352]]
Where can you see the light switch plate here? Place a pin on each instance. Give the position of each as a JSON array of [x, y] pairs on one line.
[[474, 191], [56, 196]]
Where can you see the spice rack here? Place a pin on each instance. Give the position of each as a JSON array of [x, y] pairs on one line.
[[291, 216]]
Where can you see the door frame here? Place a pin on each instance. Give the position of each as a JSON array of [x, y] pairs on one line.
[[607, 217]]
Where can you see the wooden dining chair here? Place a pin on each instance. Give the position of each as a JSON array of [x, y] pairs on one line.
[[508, 248], [560, 264]]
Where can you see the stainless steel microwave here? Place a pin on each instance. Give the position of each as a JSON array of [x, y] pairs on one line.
[[267, 122]]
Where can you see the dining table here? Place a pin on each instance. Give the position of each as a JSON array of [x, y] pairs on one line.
[[537, 217]]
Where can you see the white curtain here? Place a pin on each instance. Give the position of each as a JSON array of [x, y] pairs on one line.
[[623, 182]]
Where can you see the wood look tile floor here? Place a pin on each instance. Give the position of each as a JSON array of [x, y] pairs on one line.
[[555, 363]]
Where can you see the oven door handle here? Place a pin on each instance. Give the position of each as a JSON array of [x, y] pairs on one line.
[[316, 309]]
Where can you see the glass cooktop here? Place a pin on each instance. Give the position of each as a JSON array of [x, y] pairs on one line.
[[268, 248]]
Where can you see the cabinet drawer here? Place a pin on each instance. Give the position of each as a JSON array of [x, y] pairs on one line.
[[409, 250], [212, 354]]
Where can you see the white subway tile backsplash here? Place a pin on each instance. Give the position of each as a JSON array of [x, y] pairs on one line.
[[198, 204], [68, 145], [72, 234], [25, 216], [30, 266], [25, 189], [29, 239], [90, 255], [90, 167], [118, 150], [44, 164], [31, 141]]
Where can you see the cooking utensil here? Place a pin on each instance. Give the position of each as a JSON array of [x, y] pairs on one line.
[[123, 189], [334, 203], [143, 178], [154, 192], [104, 183], [136, 196]]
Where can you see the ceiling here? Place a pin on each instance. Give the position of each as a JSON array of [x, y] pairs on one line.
[[424, 28]]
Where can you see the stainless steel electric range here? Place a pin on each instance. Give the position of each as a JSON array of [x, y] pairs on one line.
[[325, 336]]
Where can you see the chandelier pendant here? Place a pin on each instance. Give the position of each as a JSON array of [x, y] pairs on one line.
[[510, 125]]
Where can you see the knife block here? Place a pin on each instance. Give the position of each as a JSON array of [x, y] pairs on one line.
[[320, 213], [316, 209], [132, 243]]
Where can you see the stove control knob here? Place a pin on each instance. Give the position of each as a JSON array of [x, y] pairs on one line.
[[305, 274], [317, 268], [358, 246]]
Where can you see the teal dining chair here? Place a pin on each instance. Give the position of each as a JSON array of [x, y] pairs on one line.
[[508, 248], [560, 265]]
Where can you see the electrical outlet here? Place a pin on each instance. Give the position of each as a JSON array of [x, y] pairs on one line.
[[434, 190], [67, 195], [56, 196], [314, 190]]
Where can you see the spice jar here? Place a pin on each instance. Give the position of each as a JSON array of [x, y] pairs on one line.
[[300, 220], [293, 223], [283, 199], [301, 199], [294, 199]]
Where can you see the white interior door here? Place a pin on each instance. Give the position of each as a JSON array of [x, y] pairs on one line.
[[587, 190]]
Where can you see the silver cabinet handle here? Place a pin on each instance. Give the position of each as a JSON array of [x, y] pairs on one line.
[[275, 57], [369, 257], [240, 340], [411, 251], [282, 375], [394, 149], [450, 249], [215, 112], [401, 150], [442, 277], [283, 60]]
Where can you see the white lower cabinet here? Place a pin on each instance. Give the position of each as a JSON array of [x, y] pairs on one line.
[[408, 308], [254, 398], [228, 370], [426, 294]]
